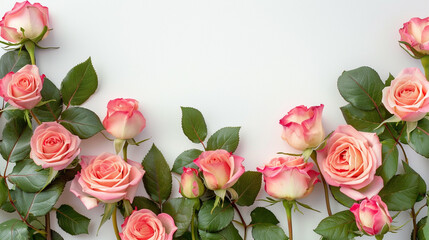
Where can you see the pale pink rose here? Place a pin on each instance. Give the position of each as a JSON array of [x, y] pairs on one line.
[[302, 127], [220, 168], [371, 215], [407, 96], [33, 18], [191, 185], [416, 33], [22, 89], [52, 145], [288, 177], [123, 119], [106, 178], [146, 225], [349, 161]]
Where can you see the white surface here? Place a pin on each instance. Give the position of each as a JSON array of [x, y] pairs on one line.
[[241, 63]]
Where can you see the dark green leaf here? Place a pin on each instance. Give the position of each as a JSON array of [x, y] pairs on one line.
[[157, 179], [216, 220], [361, 87], [228, 233], [3, 191], [193, 124], [108, 211], [390, 160], [341, 197], [267, 231], [16, 140], [389, 80], [30, 177], [247, 187], [12, 113], [54, 235], [401, 192], [7, 207], [79, 84], [419, 138], [421, 235], [50, 111], [366, 121], [81, 122], [186, 159], [71, 221], [145, 203], [420, 182], [185, 236], [263, 215], [13, 229], [225, 138], [341, 225], [12, 61], [181, 210]]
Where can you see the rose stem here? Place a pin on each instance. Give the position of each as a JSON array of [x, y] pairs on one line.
[[242, 220], [48, 226], [115, 224], [125, 151], [193, 227], [35, 118], [425, 63], [325, 186], [29, 45], [288, 208]]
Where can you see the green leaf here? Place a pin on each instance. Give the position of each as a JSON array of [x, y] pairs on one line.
[[420, 182], [79, 84], [12, 61], [157, 179], [3, 191], [16, 140], [267, 231], [401, 192], [361, 87], [366, 121], [181, 210], [54, 235], [7, 206], [390, 160], [12, 113], [13, 229], [228, 233], [40, 203], [421, 235], [341, 225], [81, 122], [186, 159], [419, 138], [30, 177], [193, 124], [389, 80], [247, 187], [185, 236], [145, 203], [50, 111], [225, 138], [263, 215], [71, 221], [341, 197], [213, 220]]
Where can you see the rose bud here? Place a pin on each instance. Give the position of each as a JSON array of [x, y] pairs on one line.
[[22, 89], [52, 145], [220, 168], [146, 225], [372, 216], [416, 34], [191, 185], [349, 161], [123, 120], [302, 127], [107, 178], [32, 18], [407, 97], [288, 177]]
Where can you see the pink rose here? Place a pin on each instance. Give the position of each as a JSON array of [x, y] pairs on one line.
[[407, 96], [191, 185], [371, 215], [123, 119], [52, 145], [349, 161], [106, 178], [289, 177], [416, 33], [33, 18], [146, 225], [220, 168], [22, 89], [302, 127]]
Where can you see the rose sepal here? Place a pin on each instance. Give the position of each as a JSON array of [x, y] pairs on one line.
[[415, 54]]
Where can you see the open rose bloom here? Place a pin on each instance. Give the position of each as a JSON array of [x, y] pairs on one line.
[[106, 178], [146, 225], [416, 33], [349, 161], [289, 177], [407, 97]]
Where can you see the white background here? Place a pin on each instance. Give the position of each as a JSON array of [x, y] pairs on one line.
[[241, 63]]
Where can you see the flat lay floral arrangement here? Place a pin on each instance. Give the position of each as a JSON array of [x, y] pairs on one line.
[[359, 164]]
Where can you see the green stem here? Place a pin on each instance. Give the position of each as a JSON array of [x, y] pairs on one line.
[[115, 224], [425, 63], [35, 118], [125, 151], [30, 46], [288, 207], [193, 227], [48, 226], [325, 185], [242, 220]]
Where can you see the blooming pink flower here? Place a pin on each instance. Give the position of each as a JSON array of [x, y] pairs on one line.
[[191, 185], [106, 178], [416, 33], [302, 127]]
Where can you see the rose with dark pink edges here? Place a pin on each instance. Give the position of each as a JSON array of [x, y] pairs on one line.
[[416, 33]]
